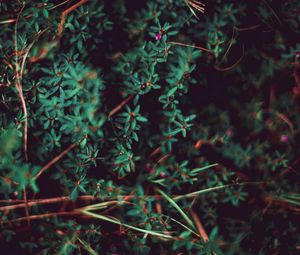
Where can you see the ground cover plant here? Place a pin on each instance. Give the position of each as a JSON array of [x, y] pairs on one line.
[[149, 127]]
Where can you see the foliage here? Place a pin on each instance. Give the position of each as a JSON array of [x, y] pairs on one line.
[[149, 127]]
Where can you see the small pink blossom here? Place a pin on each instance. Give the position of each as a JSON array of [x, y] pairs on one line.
[[229, 132], [158, 36], [162, 175], [284, 138], [150, 168]]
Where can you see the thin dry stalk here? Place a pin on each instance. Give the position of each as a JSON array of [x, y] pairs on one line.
[[26, 206], [224, 69], [42, 216], [19, 87], [64, 16], [54, 160], [120, 106], [53, 200], [191, 46], [199, 226]]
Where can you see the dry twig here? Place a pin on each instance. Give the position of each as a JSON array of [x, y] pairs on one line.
[[64, 16], [120, 106], [54, 160]]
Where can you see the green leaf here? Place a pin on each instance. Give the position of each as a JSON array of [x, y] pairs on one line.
[[172, 91], [74, 194]]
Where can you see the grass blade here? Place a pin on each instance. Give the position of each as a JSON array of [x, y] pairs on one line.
[[88, 248], [201, 169], [199, 192], [177, 207], [115, 221]]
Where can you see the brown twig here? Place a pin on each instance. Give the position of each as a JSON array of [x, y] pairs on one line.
[[11, 201], [64, 16], [54, 200], [191, 46], [54, 160], [5, 84], [23, 102], [19, 87], [199, 226], [296, 74], [26, 206], [124, 197], [44, 201], [120, 106], [9, 21], [282, 117], [224, 69], [46, 215], [19, 76], [158, 207], [155, 151], [241, 29], [198, 144], [27, 52], [60, 4], [44, 51]]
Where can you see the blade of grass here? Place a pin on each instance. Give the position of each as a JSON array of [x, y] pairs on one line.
[[201, 169], [184, 226], [294, 196], [86, 246], [199, 192], [177, 207], [115, 221], [99, 206], [192, 194], [291, 201], [7, 21]]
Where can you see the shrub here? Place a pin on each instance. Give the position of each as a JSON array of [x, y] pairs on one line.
[[149, 127]]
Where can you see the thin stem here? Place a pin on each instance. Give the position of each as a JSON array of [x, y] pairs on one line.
[[53, 200], [42, 216], [124, 197], [120, 106], [19, 87], [199, 226], [191, 46], [64, 16], [26, 206], [60, 4], [224, 69], [54, 160]]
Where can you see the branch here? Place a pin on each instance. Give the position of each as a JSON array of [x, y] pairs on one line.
[[199, 226], [191, 46], [53, 200], [19, 87], [123, 197], [120, 106], [54, 160], [64, 16], [46, 215], [26, 206], [224, 69]]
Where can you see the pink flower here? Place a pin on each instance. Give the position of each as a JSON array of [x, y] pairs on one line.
[[158, 36], [284, 138]]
